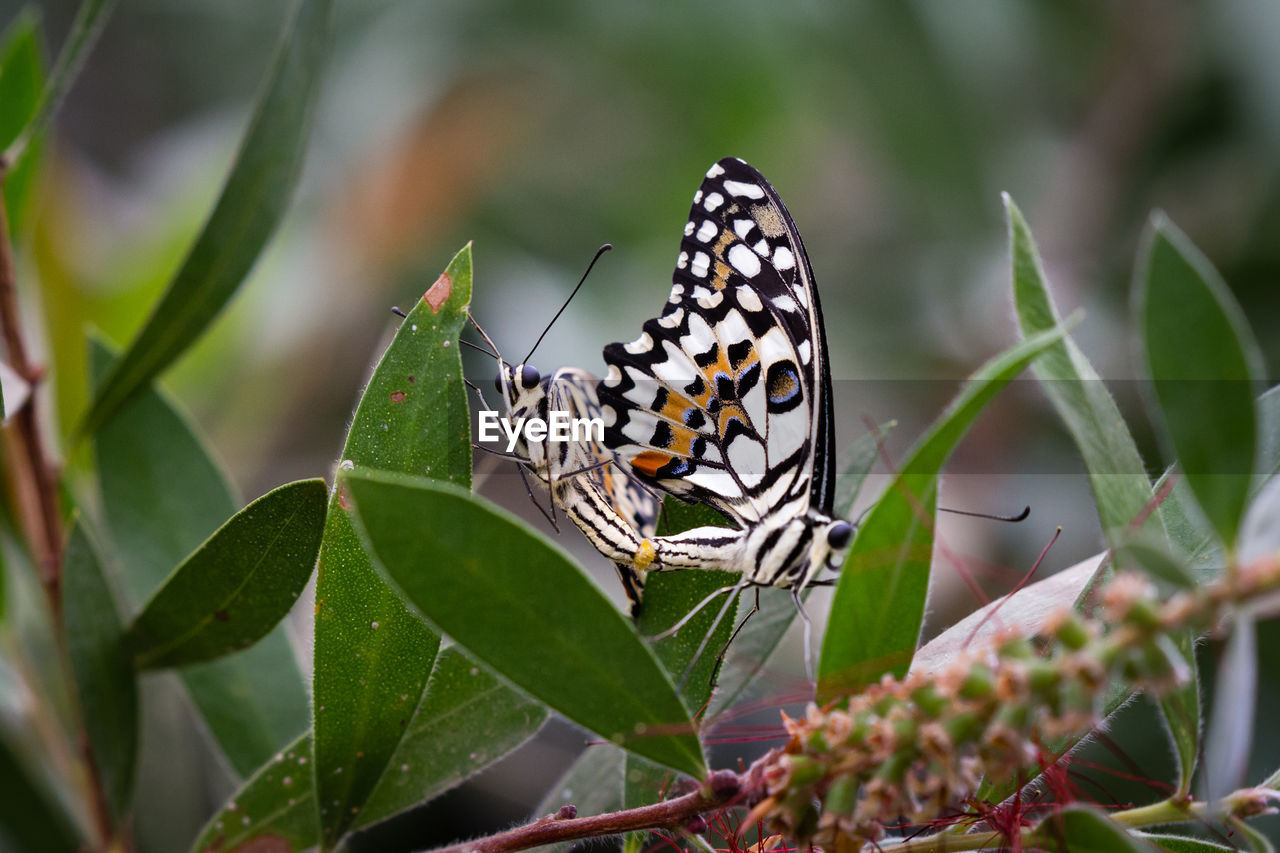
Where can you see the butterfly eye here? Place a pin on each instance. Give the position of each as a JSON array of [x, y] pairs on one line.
[[529, 376], [497, 384], [838, 534]]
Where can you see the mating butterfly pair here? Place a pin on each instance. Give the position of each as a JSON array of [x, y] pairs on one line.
[[724, 399]]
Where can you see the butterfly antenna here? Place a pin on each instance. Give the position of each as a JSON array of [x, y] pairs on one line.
[[479, 348], [483, 334], [1012, 519], [606, 247], [395, 309]]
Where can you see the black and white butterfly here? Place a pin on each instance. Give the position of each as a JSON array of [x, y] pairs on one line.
[[725, 398], [581, 476]]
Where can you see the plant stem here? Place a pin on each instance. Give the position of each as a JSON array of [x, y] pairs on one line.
[[669, 814], [33, 481], [1172, 810], [31, 470]]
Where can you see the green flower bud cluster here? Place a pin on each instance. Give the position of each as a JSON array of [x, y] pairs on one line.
[[910, 748]]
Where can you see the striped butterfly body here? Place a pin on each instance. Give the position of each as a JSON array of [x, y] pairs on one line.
[[604, 500], [725, 398]]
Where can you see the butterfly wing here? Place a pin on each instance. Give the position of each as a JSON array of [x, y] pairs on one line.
[[574, 391], [608, 503], [725, 397]]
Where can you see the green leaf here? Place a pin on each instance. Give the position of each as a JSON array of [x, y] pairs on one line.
[[1153, 559], [162, 496], [519, 604], [1268, 437], [593, 784], [1182, 844], [643, 783], [31, 816], [859, 459], [1117, 475], [669, 596], [372, 656], [1079, 829], [21, 83], [236, 587], [1180, 710], [103, 669], [252, 203], [467, 720], [1203, 363], [276, 806], [88, 23], [879, 603], [677, 516], [1122, 493]]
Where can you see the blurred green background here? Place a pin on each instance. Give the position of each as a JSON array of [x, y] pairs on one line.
[[543, 130]]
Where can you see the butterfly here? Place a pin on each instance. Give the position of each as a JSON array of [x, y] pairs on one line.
[[606, 502], [725, 397]]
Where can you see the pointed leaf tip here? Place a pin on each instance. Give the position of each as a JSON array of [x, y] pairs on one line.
[[232, 590]]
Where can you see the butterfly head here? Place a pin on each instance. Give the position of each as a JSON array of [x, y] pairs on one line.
[[519, 385], [524, 395], [831, 538]]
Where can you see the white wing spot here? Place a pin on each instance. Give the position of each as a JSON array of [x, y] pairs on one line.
[[697, 197], [786, 303], [739, 188], [707, 231], [713, 201], [749, 299], [709, 302], [688, 228], [762, 248], [802, 296], [644, 343], [701, 263], [715, 171], [611, 379], [805, 350], [783, 259], [742, 227], [747, 458], [744, 260], [670, 321], [682, 261]]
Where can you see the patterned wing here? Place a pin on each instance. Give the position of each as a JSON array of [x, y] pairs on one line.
[[574, 391], [725, 398]]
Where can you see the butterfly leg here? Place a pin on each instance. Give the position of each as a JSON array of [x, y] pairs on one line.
[[808, 632], [529, 490], [755, 608], [684, 620], [702, 647]]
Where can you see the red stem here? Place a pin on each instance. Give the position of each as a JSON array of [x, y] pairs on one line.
[[723, 787]]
